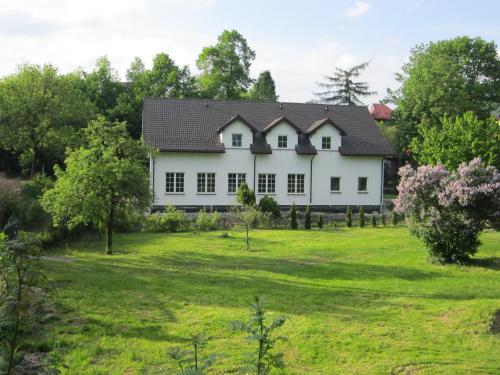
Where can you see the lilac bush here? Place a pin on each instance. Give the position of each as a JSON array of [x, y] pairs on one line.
[[448, 210]]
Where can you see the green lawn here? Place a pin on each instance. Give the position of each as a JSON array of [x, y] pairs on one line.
[[360, 301]]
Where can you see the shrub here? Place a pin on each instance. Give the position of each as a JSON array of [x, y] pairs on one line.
[[171, 220], [9, 197], [307, 218], [448, 210], [191, 362], [394, 218], [293, 217], [29, 210], [205, 221], [382, 219], [262, 360], [361, 216], [374, 219], [348, 217], [269, 205], [245, 196], [320, 221]]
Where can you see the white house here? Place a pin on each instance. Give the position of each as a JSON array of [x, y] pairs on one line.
[[325, 156]]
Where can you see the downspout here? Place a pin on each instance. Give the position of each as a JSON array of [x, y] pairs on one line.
[[311, 181], [382, 185], [254, 168], [153, 179]]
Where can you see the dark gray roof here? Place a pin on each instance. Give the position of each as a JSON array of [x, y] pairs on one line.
[[192, 124], [304, 146], [259, 144]]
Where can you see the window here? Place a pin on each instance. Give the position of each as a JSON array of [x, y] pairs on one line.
[[237, 140], [326, 143], [282, 141], [362, 183], [206, 182], [335, 184], [234, 180], [266, 183], [295, 184], [174, 182]]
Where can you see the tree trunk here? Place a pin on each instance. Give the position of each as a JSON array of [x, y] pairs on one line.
[[248, 242], [109, 230]]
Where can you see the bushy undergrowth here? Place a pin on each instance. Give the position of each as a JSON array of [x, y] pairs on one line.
[[208, 221], [171, 220]]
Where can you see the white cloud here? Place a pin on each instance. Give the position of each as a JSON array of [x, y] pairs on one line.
[[358, 9]]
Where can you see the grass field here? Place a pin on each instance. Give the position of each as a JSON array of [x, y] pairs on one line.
[[360, 301]]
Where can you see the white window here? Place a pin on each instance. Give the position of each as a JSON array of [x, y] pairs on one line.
[[295, 184], [237, 140], [282, 141], [326, 143], [335, 184], [362, 184], [234, 180], [174, 182], [266, 183], [206, 182]]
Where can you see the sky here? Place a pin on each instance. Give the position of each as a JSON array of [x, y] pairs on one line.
[[298, 41]]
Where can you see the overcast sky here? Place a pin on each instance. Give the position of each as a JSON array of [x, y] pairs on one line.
[[297, 41]]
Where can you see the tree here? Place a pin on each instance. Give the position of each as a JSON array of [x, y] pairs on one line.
[[320, 221], [245, 196], [103, 178], [262, 360], [449, 77], [248, 217], [225, 67], [341, 88], [374, 219], [190, 361], [448, 210], [361, 216], [293, 217], [40, 111], [457, 140], [268, 205], [307, 218], [348, 217], [264, 88]]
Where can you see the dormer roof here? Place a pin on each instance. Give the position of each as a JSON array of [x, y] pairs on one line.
[[278, 121], [319, 123], [234, 119]]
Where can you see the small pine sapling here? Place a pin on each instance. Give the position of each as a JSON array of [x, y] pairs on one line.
[[293, 217], [348, 217], [382, 219], [262, 360], [320, 221], [394, 218], [361, 217], [190, 361], [374, 219], [307, 218]]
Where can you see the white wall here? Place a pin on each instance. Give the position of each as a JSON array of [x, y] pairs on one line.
[[282, 128], [326, 130], [236, 127]]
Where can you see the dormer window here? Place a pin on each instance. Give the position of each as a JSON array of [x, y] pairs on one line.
[[326, 143], [237, 140], [282, 141]]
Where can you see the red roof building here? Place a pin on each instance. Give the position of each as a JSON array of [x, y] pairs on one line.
[[380, 111]]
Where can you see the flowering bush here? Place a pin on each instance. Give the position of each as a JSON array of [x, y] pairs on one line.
[[448, 210]]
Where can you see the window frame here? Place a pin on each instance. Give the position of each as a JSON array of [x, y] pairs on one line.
[[239, 178], [280, 141], [240, 141], [365, 190], [296, 183], [326, 138], [331, 184], [177, 183], [268, 181], [208, 180]]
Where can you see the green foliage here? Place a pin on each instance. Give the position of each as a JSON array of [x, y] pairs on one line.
[[361, 216], [341, 88], [374, 219], [348, 217], [29, 210], [225, 67], [382, 219], [307, 218], [172, 220], [19, 305], [103, 179], [245, 196], [262, 360], [9, 198], [269, 205], [248, 217], [449, 77], [293, 217], [457, 140], [206, 221], [40, 113], [190, 362], [264, 88], [394, 218], [320, 221]]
